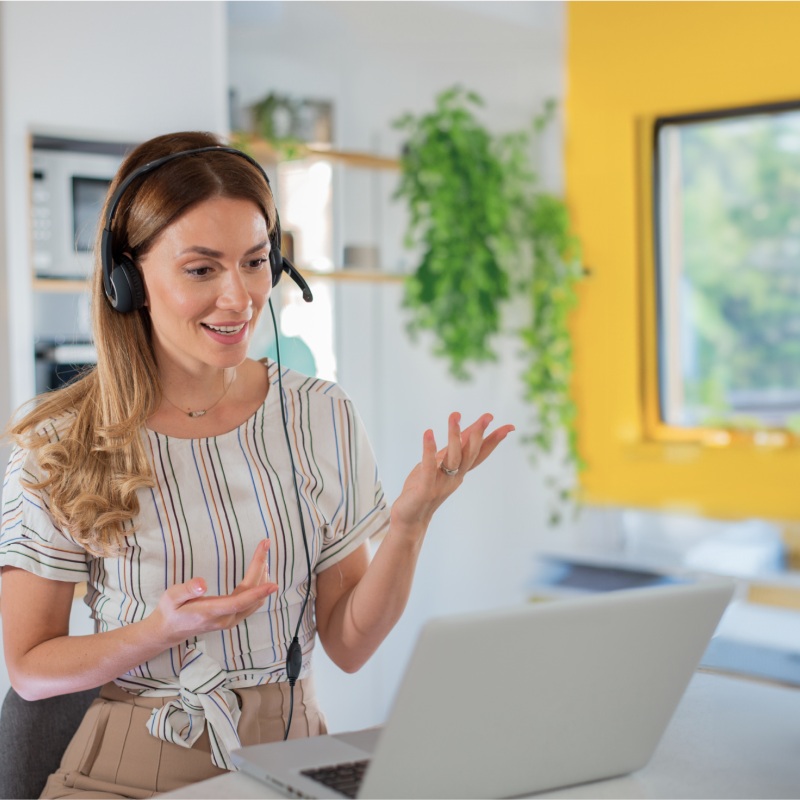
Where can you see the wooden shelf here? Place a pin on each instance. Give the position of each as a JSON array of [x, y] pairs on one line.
[[368, 276], [66, 285], [264, 152]]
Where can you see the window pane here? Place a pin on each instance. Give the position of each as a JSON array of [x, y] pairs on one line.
[[729, 271]]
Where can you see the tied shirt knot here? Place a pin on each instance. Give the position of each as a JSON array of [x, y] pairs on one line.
[[203, 700]]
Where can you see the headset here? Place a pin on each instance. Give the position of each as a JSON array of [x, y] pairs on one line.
[[122, 280], [124, 290]]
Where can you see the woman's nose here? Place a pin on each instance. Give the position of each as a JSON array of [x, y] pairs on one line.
[[235, 295]]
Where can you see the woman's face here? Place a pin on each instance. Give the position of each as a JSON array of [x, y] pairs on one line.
[[207, 279]]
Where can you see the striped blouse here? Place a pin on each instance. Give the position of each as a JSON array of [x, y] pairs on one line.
[[214, 500]]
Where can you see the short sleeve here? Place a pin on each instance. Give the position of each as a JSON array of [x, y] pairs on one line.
[[363, 511], [29, 536]]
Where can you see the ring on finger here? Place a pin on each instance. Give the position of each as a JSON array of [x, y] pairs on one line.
[[450, 472]]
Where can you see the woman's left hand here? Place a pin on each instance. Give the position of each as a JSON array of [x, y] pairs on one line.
[[428, 486]]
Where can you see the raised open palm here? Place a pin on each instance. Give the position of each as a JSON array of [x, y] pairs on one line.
[[429, 483]]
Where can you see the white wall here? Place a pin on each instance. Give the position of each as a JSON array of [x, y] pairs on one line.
[[376, 61], [104, 69]]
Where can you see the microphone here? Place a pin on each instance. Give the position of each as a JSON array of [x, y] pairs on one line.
[[293, 273]]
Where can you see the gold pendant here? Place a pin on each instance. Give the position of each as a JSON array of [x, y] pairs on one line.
[[196, 413]]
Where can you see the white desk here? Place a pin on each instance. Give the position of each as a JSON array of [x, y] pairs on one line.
[[729, 738]]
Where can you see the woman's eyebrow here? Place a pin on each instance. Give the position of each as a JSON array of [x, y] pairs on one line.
[[207, 251], [259, 246]]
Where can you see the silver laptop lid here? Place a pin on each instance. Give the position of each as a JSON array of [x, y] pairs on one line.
[[522, 700]]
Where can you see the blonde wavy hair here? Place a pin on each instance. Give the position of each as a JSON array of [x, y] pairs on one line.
[[93, 472]]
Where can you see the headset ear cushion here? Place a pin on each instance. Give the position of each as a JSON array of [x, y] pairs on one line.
[[128, 286], [277, 268], [276, 259]]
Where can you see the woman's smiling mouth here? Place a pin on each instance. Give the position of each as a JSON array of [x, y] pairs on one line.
[[227, 334], [228, 330]]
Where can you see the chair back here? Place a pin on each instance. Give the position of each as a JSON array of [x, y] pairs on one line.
[[33, 737]]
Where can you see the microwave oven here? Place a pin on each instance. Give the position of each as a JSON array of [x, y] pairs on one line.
[[69, 183]]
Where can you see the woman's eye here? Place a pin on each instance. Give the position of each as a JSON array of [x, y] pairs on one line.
[[199, 271], [259, 262]]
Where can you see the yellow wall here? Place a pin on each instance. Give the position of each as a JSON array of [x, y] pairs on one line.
[[628, 61]]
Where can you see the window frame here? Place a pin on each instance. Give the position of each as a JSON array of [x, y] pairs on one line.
[[655, 429]]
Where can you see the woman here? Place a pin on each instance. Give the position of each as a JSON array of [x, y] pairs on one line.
[[164, 479]]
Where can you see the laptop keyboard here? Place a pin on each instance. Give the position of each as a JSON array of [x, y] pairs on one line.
[[344, 778]]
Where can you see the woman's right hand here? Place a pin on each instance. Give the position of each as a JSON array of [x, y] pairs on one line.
[[44, 660], [183, 612]]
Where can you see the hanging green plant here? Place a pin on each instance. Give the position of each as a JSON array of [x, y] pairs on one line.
[[547, 341], [453, 183], [485, 226], [547, 266]]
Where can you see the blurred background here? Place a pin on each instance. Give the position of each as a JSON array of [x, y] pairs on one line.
[[668, 146]]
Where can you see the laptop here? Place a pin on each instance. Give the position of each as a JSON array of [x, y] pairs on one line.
[[512, 702]]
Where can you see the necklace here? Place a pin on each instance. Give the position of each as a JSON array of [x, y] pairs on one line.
[[205, 410]]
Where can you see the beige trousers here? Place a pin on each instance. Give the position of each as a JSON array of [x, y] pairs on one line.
[[113, 755]]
